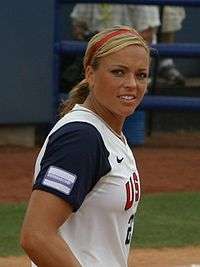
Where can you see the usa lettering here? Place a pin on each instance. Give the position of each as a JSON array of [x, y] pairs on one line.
[[132, 191]]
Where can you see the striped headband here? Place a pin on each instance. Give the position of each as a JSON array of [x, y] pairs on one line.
[[106, 38]]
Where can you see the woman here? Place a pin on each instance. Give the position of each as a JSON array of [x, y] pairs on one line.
[[86, 189]]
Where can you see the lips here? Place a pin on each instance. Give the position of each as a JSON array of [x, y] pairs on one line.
[[127, 99]]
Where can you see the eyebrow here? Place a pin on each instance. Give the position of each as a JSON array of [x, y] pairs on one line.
[[124, 66]]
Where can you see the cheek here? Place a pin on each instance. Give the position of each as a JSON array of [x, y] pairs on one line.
[[105, 86], [141, 93], [143, 88], [101, 92]]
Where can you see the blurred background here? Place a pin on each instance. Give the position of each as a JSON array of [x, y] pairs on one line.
[[32, 72]]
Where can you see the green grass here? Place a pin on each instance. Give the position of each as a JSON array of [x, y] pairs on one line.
[[168, 220], [11, 216], [163, 220]]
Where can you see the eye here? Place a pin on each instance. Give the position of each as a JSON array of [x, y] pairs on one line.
[[118, 72], [142, 75]]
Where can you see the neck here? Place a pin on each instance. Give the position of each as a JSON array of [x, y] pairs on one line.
[[115, 122]]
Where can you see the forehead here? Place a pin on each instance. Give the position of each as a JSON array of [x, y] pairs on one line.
[[130, 55]]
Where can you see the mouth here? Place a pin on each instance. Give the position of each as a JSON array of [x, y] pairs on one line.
[[127, 98]]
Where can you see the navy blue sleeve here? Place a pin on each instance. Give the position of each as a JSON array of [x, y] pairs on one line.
[[78, 153]]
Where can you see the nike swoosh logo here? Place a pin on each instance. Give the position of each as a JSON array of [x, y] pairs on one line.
[[119, 160]]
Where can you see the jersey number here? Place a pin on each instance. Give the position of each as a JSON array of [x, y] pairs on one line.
[[129, 230]]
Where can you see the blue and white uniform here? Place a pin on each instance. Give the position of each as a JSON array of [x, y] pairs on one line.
[[85, 163]]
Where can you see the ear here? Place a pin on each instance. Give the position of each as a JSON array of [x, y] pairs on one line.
[[89, 76]]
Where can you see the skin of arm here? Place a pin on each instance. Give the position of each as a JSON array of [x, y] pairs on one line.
[[39, 235]]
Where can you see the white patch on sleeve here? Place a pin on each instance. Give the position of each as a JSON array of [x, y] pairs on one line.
[[59, 179]]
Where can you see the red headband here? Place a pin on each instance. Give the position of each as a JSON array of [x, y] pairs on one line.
[[102, 41]]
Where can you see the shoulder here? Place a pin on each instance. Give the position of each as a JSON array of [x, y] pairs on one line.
[[76, 131], [79, 137]]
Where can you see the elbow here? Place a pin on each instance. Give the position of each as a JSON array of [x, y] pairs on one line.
[[25, 240], [31, 242]]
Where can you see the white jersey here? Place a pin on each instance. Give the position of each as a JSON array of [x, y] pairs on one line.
[[99, 179]]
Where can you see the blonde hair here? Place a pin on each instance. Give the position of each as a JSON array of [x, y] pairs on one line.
[[102, 44]]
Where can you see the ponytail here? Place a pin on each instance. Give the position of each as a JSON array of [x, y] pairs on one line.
[[77, 95]]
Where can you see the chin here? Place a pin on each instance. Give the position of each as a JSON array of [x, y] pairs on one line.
[[129, 112]]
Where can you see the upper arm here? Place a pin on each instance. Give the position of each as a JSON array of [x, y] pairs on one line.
[[46, 212], [39, 236]]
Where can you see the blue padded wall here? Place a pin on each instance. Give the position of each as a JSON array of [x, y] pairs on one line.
[[27, 33]]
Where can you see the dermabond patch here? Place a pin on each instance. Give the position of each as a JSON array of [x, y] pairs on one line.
[[59, 179]]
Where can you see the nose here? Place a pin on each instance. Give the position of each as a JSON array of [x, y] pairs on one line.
[[130, 81]]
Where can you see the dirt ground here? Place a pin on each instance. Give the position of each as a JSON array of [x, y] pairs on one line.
[[167, 163], [180, 257]]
